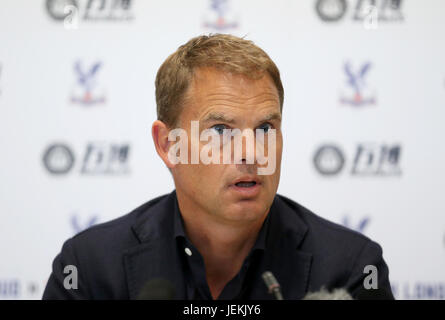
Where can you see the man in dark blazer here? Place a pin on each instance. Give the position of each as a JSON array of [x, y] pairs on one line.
[[224, 225]]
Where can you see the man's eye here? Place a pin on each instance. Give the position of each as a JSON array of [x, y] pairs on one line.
[[265, 127], [219, 128]]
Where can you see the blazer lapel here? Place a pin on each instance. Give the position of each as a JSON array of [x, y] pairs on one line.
[[283, 257], [156, 255], [150, 261]]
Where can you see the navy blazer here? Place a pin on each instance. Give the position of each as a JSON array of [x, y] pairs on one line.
[[115, 259]]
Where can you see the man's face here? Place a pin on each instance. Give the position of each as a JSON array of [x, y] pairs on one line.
[[231, 193]]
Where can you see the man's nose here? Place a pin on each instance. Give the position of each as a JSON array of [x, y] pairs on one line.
[[247, 155]]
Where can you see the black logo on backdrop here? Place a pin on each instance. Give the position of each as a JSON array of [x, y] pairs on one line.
[[381, 10], [377, 160], [329, 160], [106, 159], [98, 159], [331, 10], [112, 10], [57, 9], [369, 160], [58, 159]]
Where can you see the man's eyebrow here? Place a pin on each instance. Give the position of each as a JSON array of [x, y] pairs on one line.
[[217, 116], [272, 116], [221, 117]]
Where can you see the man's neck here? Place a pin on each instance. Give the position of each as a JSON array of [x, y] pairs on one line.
[[224, 245]]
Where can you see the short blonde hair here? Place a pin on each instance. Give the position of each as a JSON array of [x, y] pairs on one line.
[[221, 51]]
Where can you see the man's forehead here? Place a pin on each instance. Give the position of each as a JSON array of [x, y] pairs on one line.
[[224, 94], [213, 85], [206, 75]]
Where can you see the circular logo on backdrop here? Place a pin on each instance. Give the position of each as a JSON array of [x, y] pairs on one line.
[[329, 160], [56, 8], [58, 159], [331, 10]]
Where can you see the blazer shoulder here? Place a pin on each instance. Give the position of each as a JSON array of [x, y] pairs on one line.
[[97, 253], [342, 251], [323, 230], [118, 228]]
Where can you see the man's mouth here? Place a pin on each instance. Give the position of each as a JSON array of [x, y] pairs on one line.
[[245, 184], [248, 186]]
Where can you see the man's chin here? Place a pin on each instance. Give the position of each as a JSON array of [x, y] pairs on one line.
[[245, 211]]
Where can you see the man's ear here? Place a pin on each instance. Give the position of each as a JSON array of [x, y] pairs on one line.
[[160, 131]]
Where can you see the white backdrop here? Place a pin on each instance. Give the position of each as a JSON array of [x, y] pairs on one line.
[[363, 120]]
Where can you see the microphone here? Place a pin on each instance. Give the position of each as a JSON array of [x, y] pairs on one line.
[[272, 285], [157, 289], [323, 294]]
